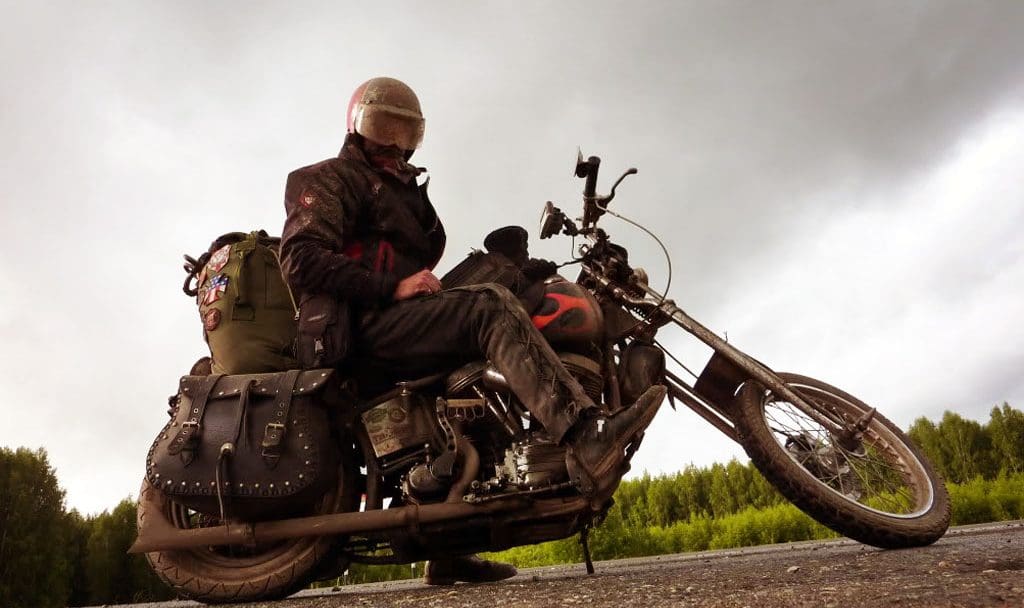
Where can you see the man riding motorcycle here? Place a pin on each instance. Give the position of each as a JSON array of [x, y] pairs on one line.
[[358, 247]]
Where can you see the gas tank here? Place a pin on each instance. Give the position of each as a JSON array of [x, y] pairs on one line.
[[569, 316]]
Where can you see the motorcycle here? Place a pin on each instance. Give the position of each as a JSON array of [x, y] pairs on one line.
[[453, 464]]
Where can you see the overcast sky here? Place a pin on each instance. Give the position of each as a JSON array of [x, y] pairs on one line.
[[839, 184]]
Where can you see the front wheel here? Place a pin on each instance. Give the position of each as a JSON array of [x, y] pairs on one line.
[[874, 487]]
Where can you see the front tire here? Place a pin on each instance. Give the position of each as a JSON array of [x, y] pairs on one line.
[[879, 490], [217, 575]]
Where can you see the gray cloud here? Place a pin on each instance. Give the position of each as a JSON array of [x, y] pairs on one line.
[[781, 149]]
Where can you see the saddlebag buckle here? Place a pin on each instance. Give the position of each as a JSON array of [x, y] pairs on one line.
[[272, 437]]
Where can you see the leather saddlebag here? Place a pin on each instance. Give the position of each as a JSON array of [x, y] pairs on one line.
[[247, 446]]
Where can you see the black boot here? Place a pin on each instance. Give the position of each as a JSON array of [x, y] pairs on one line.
[[596, 456], [466, 568]]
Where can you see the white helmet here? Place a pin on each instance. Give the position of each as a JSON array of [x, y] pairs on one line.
[[386, 112]]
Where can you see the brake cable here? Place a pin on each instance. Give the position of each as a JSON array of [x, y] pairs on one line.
[[668, 260]]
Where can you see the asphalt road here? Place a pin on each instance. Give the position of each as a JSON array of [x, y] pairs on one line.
[[971, 566]]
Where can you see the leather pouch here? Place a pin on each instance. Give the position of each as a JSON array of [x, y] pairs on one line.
[[324, 333], [247, 446]]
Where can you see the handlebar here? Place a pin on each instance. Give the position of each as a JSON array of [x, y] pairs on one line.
[[588, 169], [553, 220]]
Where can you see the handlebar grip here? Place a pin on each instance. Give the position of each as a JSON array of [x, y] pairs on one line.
[[590, 187]]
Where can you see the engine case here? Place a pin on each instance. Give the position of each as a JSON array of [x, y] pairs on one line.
[[536, 463]]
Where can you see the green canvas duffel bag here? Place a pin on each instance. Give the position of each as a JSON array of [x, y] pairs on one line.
[[247, 311]]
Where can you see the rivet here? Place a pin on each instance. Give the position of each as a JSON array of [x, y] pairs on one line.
[[300, 434], [271, 486], [301, 476], [324, 374], [305, 447], [183, 483], [287, 483], [186, 389], [302, 388], [256, 485], [198, 484], [314, 384], [241, 485], [170, 481], [213, 483], [220, 393], [157, 475], [307, 463]]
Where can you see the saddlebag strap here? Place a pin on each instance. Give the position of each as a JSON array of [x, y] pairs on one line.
[[273, 435], [187, 438]]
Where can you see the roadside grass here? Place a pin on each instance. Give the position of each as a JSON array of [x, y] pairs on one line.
[[976, 501], [980, 500], [612, 540]]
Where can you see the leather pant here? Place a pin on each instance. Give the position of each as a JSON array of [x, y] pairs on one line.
[[430, 334]]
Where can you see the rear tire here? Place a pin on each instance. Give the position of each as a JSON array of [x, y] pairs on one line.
[[883, 493], [217, 575]]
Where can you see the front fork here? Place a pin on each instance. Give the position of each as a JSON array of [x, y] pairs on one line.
[[751, 367]]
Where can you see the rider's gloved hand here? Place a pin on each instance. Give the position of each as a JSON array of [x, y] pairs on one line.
[[422, 283], [537, 269]]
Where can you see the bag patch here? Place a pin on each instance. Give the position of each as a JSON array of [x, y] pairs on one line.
[[211, 319], [214, 290], [219, 258]]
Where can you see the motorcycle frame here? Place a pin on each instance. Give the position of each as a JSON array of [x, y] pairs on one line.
[[717, 414]]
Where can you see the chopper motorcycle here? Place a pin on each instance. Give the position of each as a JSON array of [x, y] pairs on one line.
[[262, 483]]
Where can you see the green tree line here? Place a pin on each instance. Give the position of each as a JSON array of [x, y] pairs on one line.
[[963, 449], [53, 557]]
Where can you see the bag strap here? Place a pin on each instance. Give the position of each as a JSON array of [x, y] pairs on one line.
[[273, 434], [243, 250], [187, 439]]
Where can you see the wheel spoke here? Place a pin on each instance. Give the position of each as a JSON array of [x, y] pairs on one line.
[[874, 475]]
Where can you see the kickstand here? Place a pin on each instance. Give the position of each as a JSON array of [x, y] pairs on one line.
[[584, 535]]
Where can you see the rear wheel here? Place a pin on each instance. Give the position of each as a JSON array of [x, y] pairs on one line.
[[875, 486], [241, 573]]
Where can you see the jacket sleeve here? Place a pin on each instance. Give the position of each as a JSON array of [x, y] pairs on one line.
[[320, 218]]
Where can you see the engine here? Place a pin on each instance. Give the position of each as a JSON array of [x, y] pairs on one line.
[[420, 442]]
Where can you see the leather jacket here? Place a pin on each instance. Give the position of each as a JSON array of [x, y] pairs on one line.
[[352, 232]]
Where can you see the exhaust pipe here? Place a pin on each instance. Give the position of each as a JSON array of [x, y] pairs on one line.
[[158, 534]]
